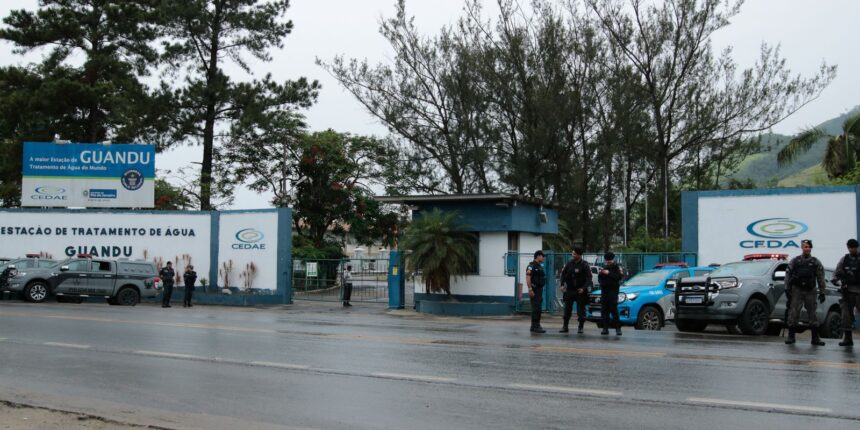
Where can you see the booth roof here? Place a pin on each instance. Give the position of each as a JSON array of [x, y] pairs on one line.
[[453, 198]]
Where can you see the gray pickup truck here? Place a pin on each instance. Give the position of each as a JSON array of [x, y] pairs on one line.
[[748, 295], [121, 282]]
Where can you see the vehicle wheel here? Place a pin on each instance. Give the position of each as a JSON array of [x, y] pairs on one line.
[[832, 325], [649, 318], [36, 292], [128, 296], [754, 320], [690, 325]]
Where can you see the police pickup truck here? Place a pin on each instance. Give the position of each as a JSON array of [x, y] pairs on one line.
[[748, 295], [121, 282]]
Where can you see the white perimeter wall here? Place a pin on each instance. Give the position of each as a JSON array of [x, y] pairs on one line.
[[245, 238], [157, 237], [723, 221]]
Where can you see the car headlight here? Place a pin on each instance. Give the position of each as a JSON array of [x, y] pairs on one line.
[[623, 297], [724, 284]]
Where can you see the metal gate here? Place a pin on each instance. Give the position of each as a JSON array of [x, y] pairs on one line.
[[322, 280]]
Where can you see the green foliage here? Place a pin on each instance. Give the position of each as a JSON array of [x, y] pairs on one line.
[[203, 35], [851, 177], [440, 249], [305, 249], [169, 197], [652, 244], [841, 152]]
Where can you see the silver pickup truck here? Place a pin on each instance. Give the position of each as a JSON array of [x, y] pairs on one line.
[[121, 282], [748, 295]]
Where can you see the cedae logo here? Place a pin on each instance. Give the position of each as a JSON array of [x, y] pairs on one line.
[[249, 238], [773, 233], [49, 193]]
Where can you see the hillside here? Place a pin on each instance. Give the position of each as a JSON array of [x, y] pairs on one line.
[[805, 171]]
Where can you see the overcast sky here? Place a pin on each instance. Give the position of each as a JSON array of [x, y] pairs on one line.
[[809, 31]]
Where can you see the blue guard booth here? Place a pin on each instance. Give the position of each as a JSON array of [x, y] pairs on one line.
[[508, 228]]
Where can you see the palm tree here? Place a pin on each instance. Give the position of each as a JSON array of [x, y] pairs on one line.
[[842, 151], [440, 249]]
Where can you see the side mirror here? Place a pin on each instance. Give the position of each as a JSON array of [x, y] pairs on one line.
[[671, 284], [64, 268], [779, 275]]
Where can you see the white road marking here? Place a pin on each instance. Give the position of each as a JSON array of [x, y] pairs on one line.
[[572, 390], [67, 345], [168, 355], [757, 405], [413, 377], [280, 365]]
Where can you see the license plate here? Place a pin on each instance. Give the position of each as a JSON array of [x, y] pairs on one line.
[[694, 300], [595, 314]]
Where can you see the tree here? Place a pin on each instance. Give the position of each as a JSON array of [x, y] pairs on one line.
[[202, 35], [440, 249], [169, 197], [842, 153], [325, 176], [697, 98], [102, 98]]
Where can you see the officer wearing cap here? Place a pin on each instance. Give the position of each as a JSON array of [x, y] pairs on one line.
[[535, 280], [610, 281], [576, 284], [801, 276], [167, 274], [847, 276]]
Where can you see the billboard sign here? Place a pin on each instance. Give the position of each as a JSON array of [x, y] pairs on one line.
[[88, 175], [732, 226]]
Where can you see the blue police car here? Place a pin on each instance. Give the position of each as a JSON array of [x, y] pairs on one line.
[[646, 300]]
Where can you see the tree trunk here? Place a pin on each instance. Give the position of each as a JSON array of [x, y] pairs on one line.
[[212, 86]]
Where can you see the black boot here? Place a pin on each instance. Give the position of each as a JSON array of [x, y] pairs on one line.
[[564, 327], [605, 331], [790, 339], [816, 340], [537, 329], [581, 326], [618, 331], [849, 341]]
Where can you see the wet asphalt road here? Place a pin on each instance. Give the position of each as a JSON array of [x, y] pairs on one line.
[[314, 365]]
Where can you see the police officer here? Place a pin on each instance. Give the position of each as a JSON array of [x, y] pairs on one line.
[[610, 281], [189, 278], [6, 275], [576, 283], [803, 272], [167, 274], [847, 276], [535, 280]]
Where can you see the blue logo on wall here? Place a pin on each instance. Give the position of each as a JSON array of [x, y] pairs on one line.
[[49, 193], [250, 239], [100, 194], [775, 230], [132, 180]]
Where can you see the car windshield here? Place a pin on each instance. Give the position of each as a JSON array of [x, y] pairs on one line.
[[743, 268], [648, 278]]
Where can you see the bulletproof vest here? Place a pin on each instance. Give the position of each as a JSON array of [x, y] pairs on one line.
[[804, 274], [538, 275], [578, 279], [852, 270]]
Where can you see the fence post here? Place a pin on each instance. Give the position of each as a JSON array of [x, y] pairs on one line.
[[396, 281]]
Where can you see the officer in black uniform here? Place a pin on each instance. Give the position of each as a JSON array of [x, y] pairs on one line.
[[167, 274], [610, 281], [576, 284], [535, 280], [847, 276], [803, 272], [6, 275], [189, 278]]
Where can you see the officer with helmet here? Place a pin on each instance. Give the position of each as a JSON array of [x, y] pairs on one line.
[[801, 276], [847, 275]]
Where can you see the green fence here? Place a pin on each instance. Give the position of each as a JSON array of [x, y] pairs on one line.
[[632, 262], [322, 280]]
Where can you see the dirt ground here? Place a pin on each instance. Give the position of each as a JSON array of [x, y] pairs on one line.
[[26, 418]]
